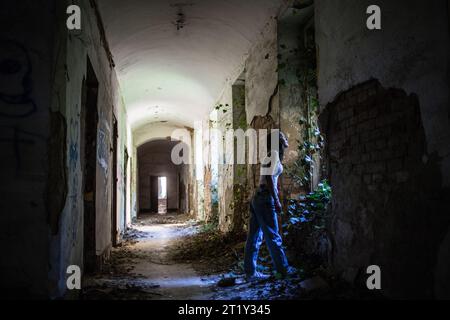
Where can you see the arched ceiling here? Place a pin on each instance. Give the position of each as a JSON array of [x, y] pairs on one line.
[[157, 146], [176, 75], [145, 133]]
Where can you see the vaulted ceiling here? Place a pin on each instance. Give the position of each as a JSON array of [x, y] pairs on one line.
[[176, 75]]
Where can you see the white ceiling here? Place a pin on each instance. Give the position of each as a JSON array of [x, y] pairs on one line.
[[176, 76]]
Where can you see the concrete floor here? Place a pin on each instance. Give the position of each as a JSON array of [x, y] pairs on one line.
[[147, 272], [176, 281]]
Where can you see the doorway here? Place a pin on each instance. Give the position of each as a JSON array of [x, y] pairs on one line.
[[162, 195], [153, 194], [158, 194], [126, 159], [88, 148], [159, 178]]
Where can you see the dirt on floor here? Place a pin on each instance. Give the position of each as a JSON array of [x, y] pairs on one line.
[[172, 257], [209, 251], [139, 268]]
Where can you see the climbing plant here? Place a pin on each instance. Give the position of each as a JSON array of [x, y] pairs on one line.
[[311, 141], [214, 205], [306, 216], [310, 208], [309, 148], [305, 226]]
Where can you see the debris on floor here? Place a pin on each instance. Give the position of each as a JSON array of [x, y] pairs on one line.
[[227, 282], [210, 251], [172, 257], [140, 269]]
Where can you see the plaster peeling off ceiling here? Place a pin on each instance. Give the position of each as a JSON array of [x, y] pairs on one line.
[[176, 75]]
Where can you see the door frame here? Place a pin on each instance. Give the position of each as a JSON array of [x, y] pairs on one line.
[[115, 177]]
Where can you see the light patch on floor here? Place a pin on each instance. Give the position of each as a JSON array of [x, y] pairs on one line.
[[150, 274]]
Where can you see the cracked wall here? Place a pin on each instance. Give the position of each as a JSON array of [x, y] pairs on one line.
[[400, 210], [388, 207], [73, 49], [297, 92], [257, 109], [271, 100]]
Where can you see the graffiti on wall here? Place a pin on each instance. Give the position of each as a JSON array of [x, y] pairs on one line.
[[15, 81], [16, 102], [74, 133], [18, 139], [74, 157], [103, 153]]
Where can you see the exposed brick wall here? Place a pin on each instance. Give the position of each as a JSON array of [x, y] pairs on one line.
[[374, 134], [388, 206]]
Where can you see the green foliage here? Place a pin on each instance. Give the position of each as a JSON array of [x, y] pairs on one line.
[[309, 209], [312, 142], [243, 123], [240, 195], [214, 194], [301, 169], [214, 222], [208, 227], [241, 171]]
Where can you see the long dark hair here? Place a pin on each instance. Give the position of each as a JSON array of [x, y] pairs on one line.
[[281, 145]]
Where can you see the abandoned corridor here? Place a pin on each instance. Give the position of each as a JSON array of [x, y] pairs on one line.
[[116, 158]]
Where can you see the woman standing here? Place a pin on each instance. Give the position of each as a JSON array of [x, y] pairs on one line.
[[264, 207]]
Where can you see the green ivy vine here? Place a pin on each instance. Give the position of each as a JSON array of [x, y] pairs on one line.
[[311, 141]]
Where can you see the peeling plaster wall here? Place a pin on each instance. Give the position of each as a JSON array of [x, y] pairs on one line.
[[185, 180], [26, 70], [410, 54], [134, 180], [67, 245], [261, 78], [261, 91], [226, 171], [388, 207], [240, 200], [289, 44], [211, 169], [207, 173], [196, 189], [261, 109], [294, 66], [124, 168]]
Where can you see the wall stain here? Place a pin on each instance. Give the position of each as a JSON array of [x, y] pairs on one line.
[[57, 175]]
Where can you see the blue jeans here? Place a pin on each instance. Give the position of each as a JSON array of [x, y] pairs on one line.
[[263, 221]]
